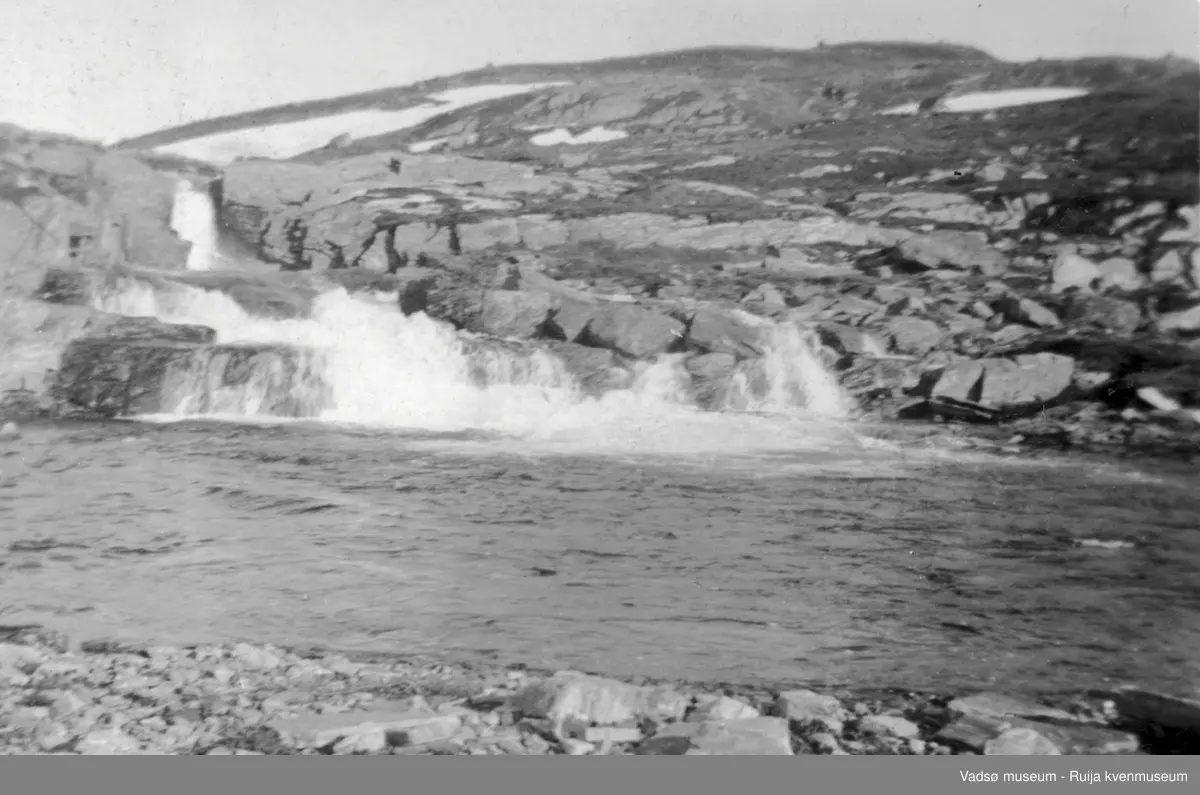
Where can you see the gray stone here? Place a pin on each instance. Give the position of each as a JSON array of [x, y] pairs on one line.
[[740, 737], [722, 708], [633, 331], [715, 331], [913, 335], [1186, 320], [357, 732], [891, 725], [1120, 273], [511, 313], [109, 742], [1020, 742], [1145, 707], [593, 699], [806, 706], [1071, 270], [949, 249]]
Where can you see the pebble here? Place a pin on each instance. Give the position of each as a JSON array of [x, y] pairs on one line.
[[248, 700], [806, 706]]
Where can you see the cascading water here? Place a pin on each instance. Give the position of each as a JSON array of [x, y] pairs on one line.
[[789, 374], [194, 219], [357, 359]]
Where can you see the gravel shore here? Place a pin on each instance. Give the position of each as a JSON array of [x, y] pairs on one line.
[[108, 698]]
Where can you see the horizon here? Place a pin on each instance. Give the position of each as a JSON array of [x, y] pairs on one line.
[[107, 75]]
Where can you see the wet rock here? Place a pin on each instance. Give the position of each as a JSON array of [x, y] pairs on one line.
[[123, 377], [1073, 271], [597, 700], [711, 374], [508, 313], [633, 331], [1020, 742], [714, 331], [807, 707], [849, 341], [741, 737], [891, 725], [947, 249], [595, 370], [998, 705], [722, 708], [1146, 708], [366, 732], [1003, 384]]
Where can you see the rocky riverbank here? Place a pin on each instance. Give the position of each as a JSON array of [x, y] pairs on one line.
[[110, 698], [1030, 274]]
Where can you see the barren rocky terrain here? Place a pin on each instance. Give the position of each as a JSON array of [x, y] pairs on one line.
[[1028, 276]]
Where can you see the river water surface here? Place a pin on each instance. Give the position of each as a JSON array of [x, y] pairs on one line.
[[481, 506], [862, 565]]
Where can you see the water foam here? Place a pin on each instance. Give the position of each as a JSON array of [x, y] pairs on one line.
[[358, 360], [194, 219]]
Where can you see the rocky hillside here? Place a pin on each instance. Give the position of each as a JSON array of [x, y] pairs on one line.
[[1032, 268]]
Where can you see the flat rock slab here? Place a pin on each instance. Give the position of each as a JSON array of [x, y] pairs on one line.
[[1156, 709], [739, 737], [370, 731], [600, 701]]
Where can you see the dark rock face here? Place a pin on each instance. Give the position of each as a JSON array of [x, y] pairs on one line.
[[142, 366]]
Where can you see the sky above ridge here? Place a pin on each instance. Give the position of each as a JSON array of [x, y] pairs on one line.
[[108, 70]]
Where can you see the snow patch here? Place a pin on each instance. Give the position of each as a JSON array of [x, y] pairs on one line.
[[992, 100], [420, 147], [560, 136], [288, 139]]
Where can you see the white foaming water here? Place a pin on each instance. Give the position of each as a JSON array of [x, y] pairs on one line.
[[789, 374], [194, 219], [366, 363]]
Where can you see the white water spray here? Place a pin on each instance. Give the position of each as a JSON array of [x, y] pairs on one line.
[[194, 219], [790, 374]]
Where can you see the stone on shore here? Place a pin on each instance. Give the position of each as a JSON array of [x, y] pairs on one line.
[[950, 249], [597, 700], [738, 737], [805, 707], [1072, 271], [366, 732]]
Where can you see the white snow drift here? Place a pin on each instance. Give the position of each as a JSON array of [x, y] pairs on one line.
[[281, 141], [993, 100], [560, 136]]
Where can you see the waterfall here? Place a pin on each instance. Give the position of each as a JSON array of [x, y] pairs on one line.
[[357, 359], [194, 219]]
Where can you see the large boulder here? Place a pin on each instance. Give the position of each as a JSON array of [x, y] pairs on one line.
[[1003, 386], [949, 249], [633, 331], [714, 331], [515, 313], [125, 376]]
